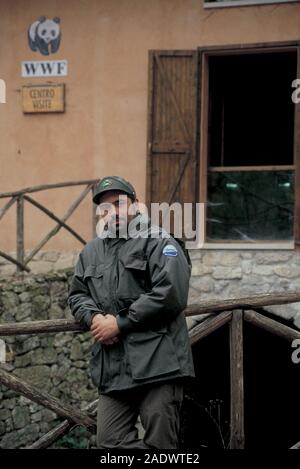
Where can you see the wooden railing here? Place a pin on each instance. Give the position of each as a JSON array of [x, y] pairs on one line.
[[232, 311], [20, 197]]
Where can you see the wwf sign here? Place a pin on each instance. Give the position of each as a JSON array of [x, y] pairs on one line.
[[44, 68], [44, 35]]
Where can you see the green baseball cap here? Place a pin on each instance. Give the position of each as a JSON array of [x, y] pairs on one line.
[[113, 183]]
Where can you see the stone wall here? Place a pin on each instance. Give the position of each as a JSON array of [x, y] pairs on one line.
[[55, 363], [241, 273], [42, 263]]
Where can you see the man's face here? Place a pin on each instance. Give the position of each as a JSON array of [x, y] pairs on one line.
[[117, 210]]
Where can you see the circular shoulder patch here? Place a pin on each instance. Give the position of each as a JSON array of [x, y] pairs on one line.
[[170, 250]]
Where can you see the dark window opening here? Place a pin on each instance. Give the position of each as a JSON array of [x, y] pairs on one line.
[[251, 110], [250, 138]]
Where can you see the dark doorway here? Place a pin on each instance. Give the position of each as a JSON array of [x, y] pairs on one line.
[[272, 390]]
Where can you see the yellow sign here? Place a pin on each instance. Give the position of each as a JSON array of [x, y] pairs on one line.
[[43, 98]]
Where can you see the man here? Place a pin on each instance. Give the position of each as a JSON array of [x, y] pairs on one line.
[[129, 288]]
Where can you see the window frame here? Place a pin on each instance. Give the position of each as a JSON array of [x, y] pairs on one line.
[[203, 54], [243, 3]]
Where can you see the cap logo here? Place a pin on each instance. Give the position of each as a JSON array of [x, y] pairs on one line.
[[106, 182]]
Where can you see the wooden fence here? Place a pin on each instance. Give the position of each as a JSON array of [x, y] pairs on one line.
[[20, 197], [232, 311]]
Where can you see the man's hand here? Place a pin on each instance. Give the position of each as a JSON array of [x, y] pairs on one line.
[[105, 329]]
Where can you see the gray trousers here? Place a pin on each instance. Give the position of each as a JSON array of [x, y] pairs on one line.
[[158, 406]]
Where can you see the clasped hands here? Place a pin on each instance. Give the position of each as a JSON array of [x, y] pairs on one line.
[[105, 329]]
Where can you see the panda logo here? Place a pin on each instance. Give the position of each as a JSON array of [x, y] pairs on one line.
[[44, 34]]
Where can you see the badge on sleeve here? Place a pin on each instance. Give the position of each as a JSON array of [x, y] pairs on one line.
[[170, 250]]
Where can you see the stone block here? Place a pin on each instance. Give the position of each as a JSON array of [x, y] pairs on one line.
[[201, 269], [50, 256], [38, 375], [56, 312], [272, 257], [76, 351], [263, 270], [24, 297], [40, 267], [20, 416], [289, 271], [224, 273], [65, 261]]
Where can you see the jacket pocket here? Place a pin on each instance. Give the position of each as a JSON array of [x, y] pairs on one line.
[[93, 278], [132, 277], [92, 271], [151, 354], [96, 365]]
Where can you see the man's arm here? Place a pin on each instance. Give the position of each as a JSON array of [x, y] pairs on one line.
[[169, 273], [80, 301]]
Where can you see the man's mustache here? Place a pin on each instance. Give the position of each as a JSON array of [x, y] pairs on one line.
[[116, 218]]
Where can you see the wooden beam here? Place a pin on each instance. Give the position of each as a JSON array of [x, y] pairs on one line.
[[212, 307], [271, 325], [20, 231], [237, 431], [44, 399], [55, 230], [57, 432], [40, 327], [44, 187], [257, 301], [14, 261], [7, 206], [55, 218], [208, 326], [296, 446], [224, 169]]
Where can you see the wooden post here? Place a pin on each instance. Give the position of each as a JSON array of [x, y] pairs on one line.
[[237, 432], [20, 230]]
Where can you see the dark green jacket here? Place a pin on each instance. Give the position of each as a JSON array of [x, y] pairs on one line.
[[145, 285]]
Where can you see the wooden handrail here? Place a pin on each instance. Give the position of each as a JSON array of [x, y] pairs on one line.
[[20, 197], [211, 307], [44, 187], [257, 301]]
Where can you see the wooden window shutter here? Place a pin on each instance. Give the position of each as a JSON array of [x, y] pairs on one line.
[[297, 165], [172, 169]]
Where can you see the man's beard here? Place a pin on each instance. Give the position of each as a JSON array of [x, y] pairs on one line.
[[118, 229]]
